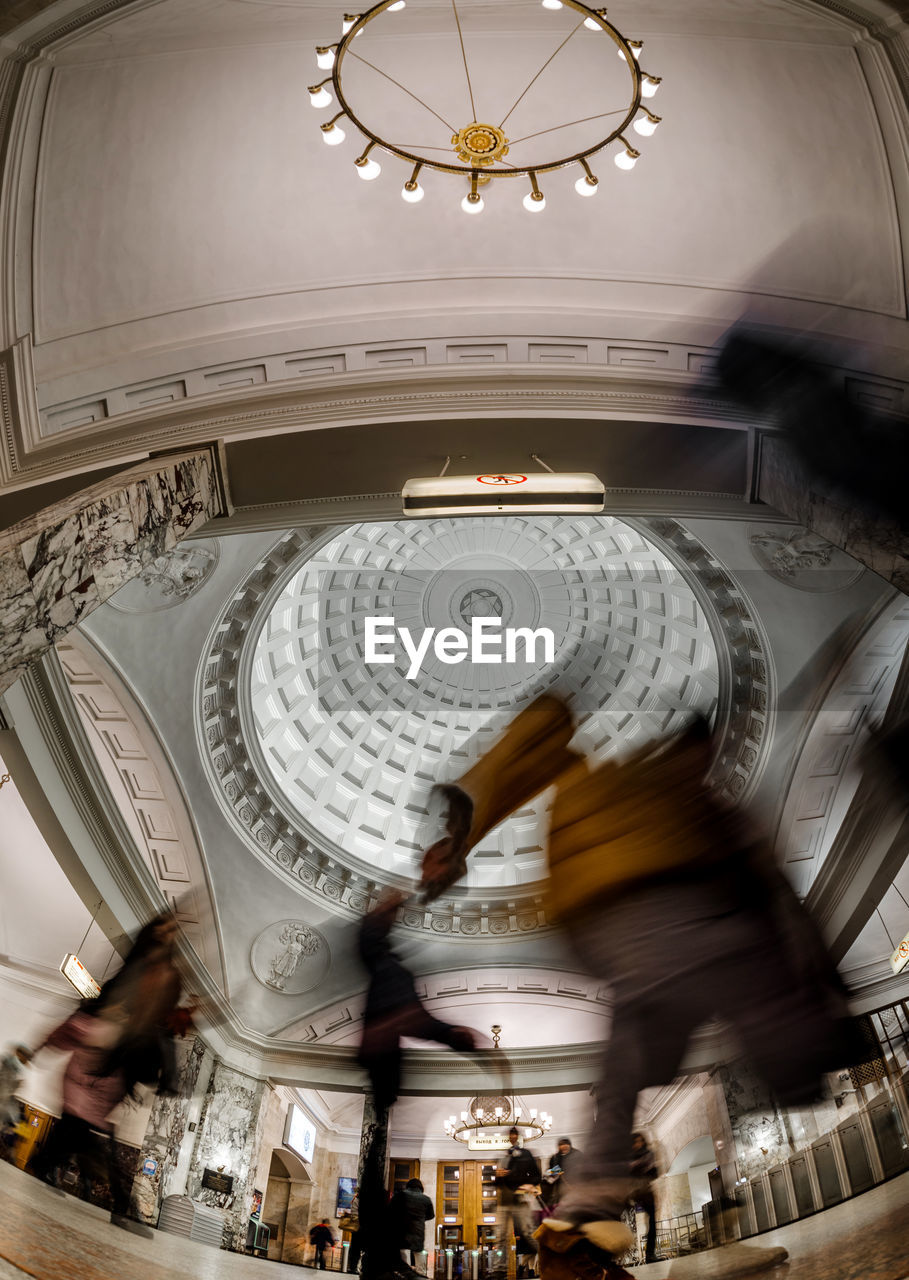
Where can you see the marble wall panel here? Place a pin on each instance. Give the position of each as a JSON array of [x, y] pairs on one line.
[[166, 1131], [295, 1247], [23, 636], [57, 566], [228, 1140], [758, 1125]]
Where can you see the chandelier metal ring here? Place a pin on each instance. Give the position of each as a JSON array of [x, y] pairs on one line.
[[480, 147]]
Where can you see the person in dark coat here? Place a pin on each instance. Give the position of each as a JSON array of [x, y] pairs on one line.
[[322, 1237], [410, 1211], [519, 1170], [558, 1172], [393, 1010]]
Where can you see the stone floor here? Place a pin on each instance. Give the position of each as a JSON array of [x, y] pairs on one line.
[[864, 1239], [52, 1237]]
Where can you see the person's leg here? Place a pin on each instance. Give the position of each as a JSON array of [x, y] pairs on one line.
[[644, 1048], [69, 1136], [353, 1253], [649, 1206], [502, 1241], [119, 1180]]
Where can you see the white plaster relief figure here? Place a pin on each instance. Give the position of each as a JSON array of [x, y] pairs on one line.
[[290, 957], [802, 559], [298, 942], [796, 550]]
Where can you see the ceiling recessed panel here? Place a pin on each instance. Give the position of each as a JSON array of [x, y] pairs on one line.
[[395, 653]]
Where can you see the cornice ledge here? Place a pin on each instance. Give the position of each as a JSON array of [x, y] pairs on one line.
[[382, 398]]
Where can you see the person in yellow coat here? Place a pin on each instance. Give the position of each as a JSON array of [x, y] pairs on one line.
[[668, 895]]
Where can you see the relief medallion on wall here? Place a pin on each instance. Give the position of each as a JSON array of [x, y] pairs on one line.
[[290, 957]]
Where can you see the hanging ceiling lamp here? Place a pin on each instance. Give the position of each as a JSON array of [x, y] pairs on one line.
[[487, 1118], [475, 153]]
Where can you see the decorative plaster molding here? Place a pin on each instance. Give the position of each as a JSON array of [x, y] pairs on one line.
[[827, 776], [158, 395], [575, 990], [61, 563], [148, 792]]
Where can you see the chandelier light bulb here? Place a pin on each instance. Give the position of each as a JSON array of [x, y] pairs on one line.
[[592, 25], [320, 98], [552, 4], [334, 136], [472, 203], [625, 160], [413, 193], [347, 24], [368, 170], [585, 187], [649, 86], [325, 59], [533, 202], [646, 126], [398, 4]]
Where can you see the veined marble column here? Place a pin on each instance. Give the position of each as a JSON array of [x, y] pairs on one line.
[[165, 1133], [374, 1134], [228, 1140], [371, 1189], [59, 565], [759, 1131]]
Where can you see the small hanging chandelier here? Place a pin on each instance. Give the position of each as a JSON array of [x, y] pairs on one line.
[[485, 1123], [477, 151]]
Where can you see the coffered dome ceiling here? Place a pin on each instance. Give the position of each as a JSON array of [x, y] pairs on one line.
[[325, 759]]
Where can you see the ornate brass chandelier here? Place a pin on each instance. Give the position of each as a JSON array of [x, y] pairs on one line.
[[487, 1119], [477, 151]]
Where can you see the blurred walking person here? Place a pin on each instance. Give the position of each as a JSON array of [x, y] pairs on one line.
[[393, 1010], [670, 897], [410, 1210], [644, 1172], [517, 1180], [322, 1238]]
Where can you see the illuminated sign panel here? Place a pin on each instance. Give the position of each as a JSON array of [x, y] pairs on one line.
[[900, 957], [300, 1134], [488, 1142], [75, 972]]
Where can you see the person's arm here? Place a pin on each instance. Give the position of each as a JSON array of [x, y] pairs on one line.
[[65, 1037], [424, 1026]]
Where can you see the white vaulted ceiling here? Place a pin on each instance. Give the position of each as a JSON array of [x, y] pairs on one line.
[[193, 236], [351, 749], [184, 260]]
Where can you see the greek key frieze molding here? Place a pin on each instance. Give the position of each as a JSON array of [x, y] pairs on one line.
[[344, 1018], [345, 362], [405, 399], [363, 395], [319, 872]]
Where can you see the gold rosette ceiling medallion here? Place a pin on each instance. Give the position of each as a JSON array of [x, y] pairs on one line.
[[477, 151]]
